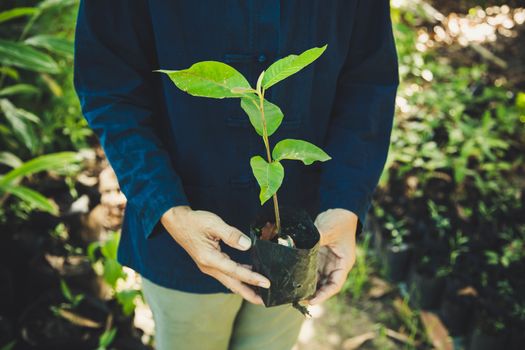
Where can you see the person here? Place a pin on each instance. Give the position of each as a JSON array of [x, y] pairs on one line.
[[183, 161]]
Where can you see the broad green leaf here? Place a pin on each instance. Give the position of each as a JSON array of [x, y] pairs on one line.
[[208, 79], [66, 292], [241, 90], [21, 122], [269, 176], [112, 272], [106, 338], [520, 100], [19, 89], [23, 56], [110, 247], [272, 114], [91, 250], [8, 108], [41, 163], [53, 85], [299, 150], [9, 346], [126, 299], [17, 12], [10, 72], [46, 4], [33, 197], [289, 65], [10, 159], [52, 43]]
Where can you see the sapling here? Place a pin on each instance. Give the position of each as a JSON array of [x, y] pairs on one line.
[[216, 79]]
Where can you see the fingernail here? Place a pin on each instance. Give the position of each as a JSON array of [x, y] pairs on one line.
[[264, 284], [245, 242]]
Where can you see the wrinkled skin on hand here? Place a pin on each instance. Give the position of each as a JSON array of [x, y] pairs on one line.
[[199, 232], [337, 253]]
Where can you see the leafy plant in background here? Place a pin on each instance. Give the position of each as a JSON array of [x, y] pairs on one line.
[[36, 99], [72, 299], [398, 230], [10, 182], [218, 80], [66, 310], [106, 339], [103, 256]]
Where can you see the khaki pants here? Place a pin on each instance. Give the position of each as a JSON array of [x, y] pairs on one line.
[[218, 321]]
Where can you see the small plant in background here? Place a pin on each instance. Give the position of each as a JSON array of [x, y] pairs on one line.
[[106, 339], [458, 247], [72, 299], [398, 230], [440, 219], [10, 181], [103, 256], [68, 310]]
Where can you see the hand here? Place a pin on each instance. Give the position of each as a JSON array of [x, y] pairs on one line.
[[337, 252], [199, 233]]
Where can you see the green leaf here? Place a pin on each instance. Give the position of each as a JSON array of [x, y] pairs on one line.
[[41, 163], [91, 251], [112, 272], [23, 56], [21, 124], [32, 197], [66, 292], [299, 150], [9, 346], [241, 90], [17, 12], [10, 159], [208, 79], [269, 176], [289, 65], [19, 89], [10, 72], [520, 100], [272, 114], [110, 247], [126, 299], [46, 4], [106, 338], [52, 43]]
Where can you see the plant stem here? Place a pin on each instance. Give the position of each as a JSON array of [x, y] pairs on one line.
[[269, 156]]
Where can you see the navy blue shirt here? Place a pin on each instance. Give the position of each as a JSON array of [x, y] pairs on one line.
[[169, 148]]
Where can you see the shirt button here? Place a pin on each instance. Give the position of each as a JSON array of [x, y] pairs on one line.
[[261, 58]]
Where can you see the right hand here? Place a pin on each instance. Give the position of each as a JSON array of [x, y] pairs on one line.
[[198, 232]]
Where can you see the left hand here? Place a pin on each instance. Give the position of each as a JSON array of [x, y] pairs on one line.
[[337, 252]]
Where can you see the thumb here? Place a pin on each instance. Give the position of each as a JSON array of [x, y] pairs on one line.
[[233, 237]]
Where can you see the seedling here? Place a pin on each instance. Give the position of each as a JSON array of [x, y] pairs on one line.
[[215, 79]]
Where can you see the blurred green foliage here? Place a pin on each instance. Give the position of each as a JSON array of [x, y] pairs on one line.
[[39, 111], [454, 175]]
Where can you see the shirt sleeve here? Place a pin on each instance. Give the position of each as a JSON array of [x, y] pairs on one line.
[[113, 78], [358, 136]]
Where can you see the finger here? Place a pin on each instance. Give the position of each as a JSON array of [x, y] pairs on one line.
[[237, 271], [238, 287], [233, 237], [332, 287], [249, 267]]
